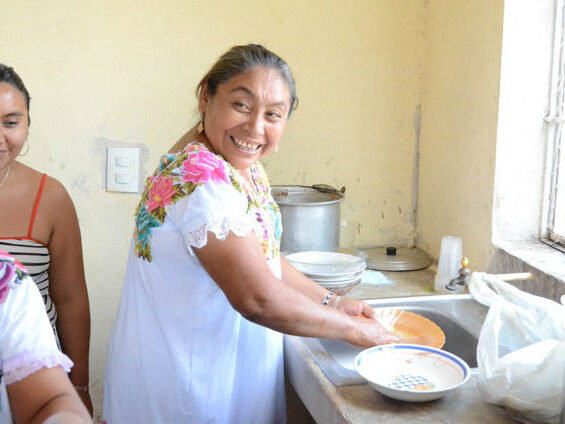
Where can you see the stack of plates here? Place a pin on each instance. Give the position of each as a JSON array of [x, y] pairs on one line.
[[337, 272]]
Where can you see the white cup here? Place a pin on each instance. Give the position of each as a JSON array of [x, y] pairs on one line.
[[450, 254]]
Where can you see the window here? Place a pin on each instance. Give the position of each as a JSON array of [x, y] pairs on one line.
[[553, 231]]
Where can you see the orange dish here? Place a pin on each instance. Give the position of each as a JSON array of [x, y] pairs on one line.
[[410, 327]]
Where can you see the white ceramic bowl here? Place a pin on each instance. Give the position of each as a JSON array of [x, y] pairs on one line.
[[330, 264], [331, 278], [411, 372], [333, 283], [340, 287]]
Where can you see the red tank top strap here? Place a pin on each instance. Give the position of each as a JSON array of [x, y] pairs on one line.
[[36, 206]]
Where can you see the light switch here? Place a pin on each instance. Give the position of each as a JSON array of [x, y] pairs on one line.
[[123, 169], [123, 161], [122, 178]]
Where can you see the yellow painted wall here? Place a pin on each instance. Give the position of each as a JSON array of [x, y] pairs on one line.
[[459, 120], [124, 72], [357, 71]]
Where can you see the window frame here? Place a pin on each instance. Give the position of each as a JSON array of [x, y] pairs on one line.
[[556, 132]]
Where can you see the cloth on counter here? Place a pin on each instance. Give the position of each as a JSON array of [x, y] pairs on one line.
[[179, 352], [375, 278]]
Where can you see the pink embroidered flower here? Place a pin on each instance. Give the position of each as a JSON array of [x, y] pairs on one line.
[[5, 256], [160, 193], [7, 275], [203, 167]]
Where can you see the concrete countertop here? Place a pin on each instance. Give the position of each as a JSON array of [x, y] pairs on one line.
[[358, 404]]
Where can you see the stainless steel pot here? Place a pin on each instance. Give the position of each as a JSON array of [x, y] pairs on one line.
[[310, 218]]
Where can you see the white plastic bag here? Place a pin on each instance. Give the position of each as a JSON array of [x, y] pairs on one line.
[[521, 350]]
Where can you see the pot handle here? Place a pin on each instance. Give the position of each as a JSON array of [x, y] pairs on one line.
[[324, 188]]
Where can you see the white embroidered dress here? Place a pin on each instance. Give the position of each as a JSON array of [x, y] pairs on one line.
[[179, 352], [27, 342]]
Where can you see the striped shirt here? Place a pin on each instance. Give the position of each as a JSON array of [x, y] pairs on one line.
[[34, 256]]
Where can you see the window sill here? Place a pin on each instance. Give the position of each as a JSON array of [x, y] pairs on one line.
[[546, 264]]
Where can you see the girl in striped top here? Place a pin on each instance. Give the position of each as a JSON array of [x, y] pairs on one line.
[[39, 226]]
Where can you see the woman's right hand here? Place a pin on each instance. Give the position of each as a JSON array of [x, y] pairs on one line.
[[369, 332]]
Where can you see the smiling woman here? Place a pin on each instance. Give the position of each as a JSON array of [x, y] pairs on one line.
[[39, 227], [14, 105], [207, 292], [244, 120]]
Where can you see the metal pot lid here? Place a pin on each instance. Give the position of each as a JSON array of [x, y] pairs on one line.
[[396, 259]]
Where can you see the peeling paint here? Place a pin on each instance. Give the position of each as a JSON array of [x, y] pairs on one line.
[[81, 183]]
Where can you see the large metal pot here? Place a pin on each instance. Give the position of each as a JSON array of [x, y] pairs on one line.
[[310, 218]]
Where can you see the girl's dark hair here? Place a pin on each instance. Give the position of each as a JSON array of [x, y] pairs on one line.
[[239, 59], [9, 76]]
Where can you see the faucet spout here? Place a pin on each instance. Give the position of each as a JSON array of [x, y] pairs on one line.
[[457, 283], [460, 282]]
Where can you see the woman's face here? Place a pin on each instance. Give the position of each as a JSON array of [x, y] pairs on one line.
[[14, 123], [246, 117]]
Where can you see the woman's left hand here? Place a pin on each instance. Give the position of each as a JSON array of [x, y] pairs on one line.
[[355, 307]]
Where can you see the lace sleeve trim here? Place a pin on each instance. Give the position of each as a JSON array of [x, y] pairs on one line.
[[240, 226], [20, 366]]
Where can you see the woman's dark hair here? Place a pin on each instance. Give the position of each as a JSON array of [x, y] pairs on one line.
[[9, 76], [239, 59]]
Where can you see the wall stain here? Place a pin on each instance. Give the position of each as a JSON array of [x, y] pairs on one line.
[[417, 124], [80, 183]]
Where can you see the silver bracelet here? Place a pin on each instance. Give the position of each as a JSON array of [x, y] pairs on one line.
[[82, 388], [327, 298]]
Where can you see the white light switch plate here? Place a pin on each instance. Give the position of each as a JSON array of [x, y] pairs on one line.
[[122, 169]]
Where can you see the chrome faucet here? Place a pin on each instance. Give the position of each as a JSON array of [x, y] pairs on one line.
[[458, 283]]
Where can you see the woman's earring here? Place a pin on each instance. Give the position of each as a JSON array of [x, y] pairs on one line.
[[200, 128], [276, 148], [27, 148]]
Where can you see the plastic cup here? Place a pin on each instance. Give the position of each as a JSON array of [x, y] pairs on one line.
[[450, 254]]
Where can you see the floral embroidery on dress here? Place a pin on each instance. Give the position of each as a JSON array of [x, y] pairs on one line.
[[262, 205], [203, 167], [11, 272], [23, 363], [176, 177]]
